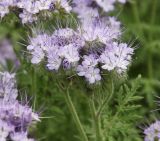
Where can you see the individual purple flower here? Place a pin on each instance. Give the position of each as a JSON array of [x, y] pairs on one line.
[[53, 59], [107, 5], [4, 9], [38, 46], [65, 5], [20, 136], [152, 133], [70, 52], [84, 11], [27, 17], [88, 69], [5, 130], [44, 4], [90, 60], [93, 75], [116, 56]]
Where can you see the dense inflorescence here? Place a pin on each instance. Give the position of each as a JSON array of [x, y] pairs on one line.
[[15, 116], [152, 133], [89, 50], [31, 8]]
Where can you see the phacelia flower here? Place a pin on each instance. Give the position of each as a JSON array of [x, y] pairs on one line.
[[89, 70], [116, 56], [32, 8], [63, 44], [22, 136], [152, 133], [15, 117]]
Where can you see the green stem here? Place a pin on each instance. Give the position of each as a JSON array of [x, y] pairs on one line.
[[106, 100], [75, 116], [34, 82], [96, 120], [137, 18], [150, 62]]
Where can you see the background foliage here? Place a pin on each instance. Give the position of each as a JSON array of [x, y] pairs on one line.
[[123, 119]]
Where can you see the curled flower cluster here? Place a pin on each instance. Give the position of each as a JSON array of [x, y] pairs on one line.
[[152, 133], [15, 117], [31, 8], [89, 8], [89, 50]]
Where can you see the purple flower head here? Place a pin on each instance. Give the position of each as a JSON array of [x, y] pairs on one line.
[[152, 132], [116, 56], [15, 117], [70, 53], [54, 60], [32, 8], [38, 46], [106, 5], [27, 17], [89, 70], [84, 10]]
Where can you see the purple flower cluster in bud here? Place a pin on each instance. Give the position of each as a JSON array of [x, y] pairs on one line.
[[89, 50], [31, 8], [15, 117], [152, 133]]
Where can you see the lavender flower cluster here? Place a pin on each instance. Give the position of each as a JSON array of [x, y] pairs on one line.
[[15, 117], [31, 8], [90, 49], [90, 8], [152, 133]]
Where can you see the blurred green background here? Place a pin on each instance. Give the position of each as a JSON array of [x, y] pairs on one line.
[[141, 26]]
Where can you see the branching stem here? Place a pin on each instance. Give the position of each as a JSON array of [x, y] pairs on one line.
[[96, 120]]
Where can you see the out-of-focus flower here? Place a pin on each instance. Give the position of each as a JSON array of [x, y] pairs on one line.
[[22, 136], [152, 133], [7, 53], [27, 17], [32, 8], [8, 89], [15, 117], [5, 129]]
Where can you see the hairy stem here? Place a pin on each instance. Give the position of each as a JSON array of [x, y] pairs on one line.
[[75, 116], [106, 100], [96, 120]]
